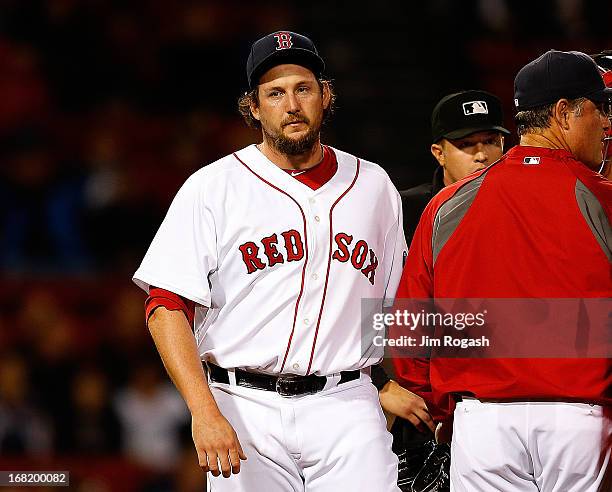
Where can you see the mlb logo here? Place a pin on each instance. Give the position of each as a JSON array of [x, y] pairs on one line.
[[475, 107], [531, 160]]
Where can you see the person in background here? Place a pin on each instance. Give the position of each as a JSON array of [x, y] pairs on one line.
[[535, 224]]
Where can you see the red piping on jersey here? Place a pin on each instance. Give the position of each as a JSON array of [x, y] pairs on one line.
[[297, 302], [331, 238]]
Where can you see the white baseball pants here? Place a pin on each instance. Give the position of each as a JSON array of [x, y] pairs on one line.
[[531, 447], [331, 441]]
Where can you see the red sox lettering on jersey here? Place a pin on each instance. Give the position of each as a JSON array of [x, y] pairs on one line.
[[273, 260], [293, 250], [358, 255]]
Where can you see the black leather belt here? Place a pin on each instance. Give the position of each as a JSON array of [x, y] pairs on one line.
[[285, 385], [461, 396]]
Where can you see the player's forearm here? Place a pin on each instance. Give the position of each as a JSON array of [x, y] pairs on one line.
[[176, 346]]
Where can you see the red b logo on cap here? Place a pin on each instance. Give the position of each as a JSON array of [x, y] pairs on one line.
[[284, 40]]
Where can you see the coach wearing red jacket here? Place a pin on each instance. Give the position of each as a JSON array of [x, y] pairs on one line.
[[536, 224]]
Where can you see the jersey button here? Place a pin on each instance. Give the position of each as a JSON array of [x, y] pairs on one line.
[[306, 321], [296, 366], [317, 218], [315, 276]]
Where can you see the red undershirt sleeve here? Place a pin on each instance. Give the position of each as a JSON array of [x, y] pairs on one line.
[[171, 301]]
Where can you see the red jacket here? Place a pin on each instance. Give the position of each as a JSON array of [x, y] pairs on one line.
[[524, 234]]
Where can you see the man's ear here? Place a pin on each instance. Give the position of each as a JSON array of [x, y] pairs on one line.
[[326, 95], [561, 113], [437, 150], [254, 108]]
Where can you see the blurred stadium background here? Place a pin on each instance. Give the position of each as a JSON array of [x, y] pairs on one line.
[[107, 106]]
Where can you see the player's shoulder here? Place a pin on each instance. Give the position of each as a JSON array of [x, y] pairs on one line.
[[591, 179], [472, 179], [369, 168], [216, 169], [470, 184], [211, 175], [208, 181], [593, 184]]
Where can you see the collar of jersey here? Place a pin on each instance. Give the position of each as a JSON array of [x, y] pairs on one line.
[[269, 171]]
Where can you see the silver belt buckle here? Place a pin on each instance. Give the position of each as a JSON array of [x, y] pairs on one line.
[[283, 383]]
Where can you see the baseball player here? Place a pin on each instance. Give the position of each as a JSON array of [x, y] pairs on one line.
[[536, 224], [467, 136], [266, 255]]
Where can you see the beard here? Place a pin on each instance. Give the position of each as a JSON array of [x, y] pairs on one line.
[[293, 146]]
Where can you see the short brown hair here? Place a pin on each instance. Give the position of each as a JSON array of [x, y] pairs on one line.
[[252, 97], [537, 119]]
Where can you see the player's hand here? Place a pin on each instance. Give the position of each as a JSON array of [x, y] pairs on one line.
[[407, 405], [217, 445]]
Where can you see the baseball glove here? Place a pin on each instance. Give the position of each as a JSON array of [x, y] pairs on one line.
[[434, 476], [424, 466]]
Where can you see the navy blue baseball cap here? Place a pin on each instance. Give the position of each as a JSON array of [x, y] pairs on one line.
[[282, 47], [556, 75]]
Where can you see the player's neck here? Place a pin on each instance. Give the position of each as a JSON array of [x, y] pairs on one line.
[[306, 160], [547, 139]]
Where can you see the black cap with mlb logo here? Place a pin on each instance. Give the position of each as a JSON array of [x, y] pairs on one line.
[[556, 75], [282, 47], [463, 113]]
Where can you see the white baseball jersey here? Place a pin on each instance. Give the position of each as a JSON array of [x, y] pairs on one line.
[[281, 268]]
